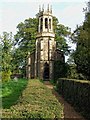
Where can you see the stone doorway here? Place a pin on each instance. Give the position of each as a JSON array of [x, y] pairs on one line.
[[46, 71]]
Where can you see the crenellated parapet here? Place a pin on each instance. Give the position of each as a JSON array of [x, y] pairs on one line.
[[43, 11], [45, 19]]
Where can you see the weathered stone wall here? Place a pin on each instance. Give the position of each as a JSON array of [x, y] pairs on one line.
[[45, 49], [30, 68], [33, 65]]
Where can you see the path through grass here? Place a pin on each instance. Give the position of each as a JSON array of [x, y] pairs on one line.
[[37, 101]]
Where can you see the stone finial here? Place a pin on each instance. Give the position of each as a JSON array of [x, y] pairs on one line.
[[43, 7], [39, 8], [48, 8], [51, 8]]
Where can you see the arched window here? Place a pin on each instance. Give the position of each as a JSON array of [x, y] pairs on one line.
[[41, 24], [49, 23], [46, 23]]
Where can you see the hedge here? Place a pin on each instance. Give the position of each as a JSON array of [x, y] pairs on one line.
[[76, 92]]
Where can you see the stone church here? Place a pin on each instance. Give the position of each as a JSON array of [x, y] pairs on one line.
[[40, 63]]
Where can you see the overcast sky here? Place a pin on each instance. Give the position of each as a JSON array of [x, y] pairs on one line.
[[12, 12]]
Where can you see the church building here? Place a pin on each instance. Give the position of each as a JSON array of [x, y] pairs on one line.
[[41, 62]]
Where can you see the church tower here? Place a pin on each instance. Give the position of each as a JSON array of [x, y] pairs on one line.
[[45, 45]]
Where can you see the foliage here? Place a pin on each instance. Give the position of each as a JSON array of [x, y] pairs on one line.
[[60, 69], [61, 34], [26, 34], [6, 75], [6, 43], [72, 72], [25, 40], [18, 62], [0, 58], [11, 91], [81, 37], [36, 102], [76, 92]]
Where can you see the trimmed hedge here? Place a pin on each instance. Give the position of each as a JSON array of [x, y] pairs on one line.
[[76, 92], [36, 102]]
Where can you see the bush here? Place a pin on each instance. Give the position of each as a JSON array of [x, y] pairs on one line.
[[73, 74], [60, 70], [6, 75]]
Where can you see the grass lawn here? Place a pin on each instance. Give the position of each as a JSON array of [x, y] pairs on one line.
[[11, 91], [37, 101]]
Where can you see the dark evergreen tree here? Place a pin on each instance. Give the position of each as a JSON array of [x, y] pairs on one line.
[[81, 37]]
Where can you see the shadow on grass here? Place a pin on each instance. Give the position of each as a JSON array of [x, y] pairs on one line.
[[14, 91]]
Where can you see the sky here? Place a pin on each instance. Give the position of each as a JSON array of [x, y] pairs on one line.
[[12, 12]]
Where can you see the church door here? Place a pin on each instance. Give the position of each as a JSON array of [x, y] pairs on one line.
[[46, 71]]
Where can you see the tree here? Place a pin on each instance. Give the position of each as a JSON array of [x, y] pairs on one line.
[[6, 43], [81, 37], [25, 40], [61, 34], [26, 34], [18, 62], [60, 70]]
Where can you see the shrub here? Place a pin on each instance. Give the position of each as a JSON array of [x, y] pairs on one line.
[[60, 69], [6, 75], [73, 74]]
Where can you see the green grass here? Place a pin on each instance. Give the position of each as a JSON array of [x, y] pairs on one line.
[[11, 91], [37, 101]]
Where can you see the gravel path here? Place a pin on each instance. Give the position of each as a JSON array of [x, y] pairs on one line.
[[69, 111]]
